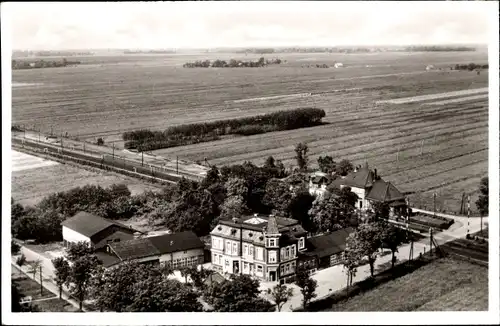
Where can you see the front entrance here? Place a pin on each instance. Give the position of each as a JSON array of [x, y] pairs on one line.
[[272, 276]]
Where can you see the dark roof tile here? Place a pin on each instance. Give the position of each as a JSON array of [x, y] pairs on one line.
[[329, 244], [89, 224]]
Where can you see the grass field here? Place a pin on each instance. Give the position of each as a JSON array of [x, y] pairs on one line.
[[117, 94], [444, 285], [30, 185]]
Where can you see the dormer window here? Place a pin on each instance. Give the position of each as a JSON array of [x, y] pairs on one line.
[[302, 243], [272, 243]]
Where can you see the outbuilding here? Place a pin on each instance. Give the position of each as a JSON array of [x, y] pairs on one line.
[[95, 230]]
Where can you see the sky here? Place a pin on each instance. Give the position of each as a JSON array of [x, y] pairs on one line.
[[166, 25]]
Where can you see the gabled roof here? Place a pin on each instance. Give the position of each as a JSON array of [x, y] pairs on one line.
[[173, 242], [90, 224], [157, 245], [363, 178], [384, 192], [134, 249], [329, 244]]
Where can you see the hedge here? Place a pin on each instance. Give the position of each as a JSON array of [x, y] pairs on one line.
[[145, 139]]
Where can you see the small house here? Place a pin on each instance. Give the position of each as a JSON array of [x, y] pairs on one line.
[[328, 249]]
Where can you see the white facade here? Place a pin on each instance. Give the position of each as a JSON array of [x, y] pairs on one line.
[[71, 236], [362, 203]]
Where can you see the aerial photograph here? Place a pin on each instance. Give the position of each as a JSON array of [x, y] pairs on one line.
[[249, 157]]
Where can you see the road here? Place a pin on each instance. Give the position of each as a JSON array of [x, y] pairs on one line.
[[334, 278], [47, 274]]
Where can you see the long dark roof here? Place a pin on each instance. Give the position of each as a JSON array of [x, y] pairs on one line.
[[383, 191], [363, 178], [90, 224], [329, 244], [157, 245]]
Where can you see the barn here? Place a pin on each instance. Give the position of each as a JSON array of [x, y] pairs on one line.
[[95, 230]]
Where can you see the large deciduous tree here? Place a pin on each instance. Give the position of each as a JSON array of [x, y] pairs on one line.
[[334, 211], [239, 294], [301, 156], [62, 271], [280, 295], [391, 237], [327, 164], [482, 202], [81, 273], [344, 167], [365, 242], [307, 286]]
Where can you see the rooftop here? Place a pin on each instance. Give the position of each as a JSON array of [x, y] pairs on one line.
[[329, 244], [90, 224]]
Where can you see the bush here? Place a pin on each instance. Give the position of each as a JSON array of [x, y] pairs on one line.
[[21, 260], [14, 248]]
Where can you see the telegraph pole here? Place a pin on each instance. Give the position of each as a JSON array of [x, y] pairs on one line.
[[113, 151], [142, 158], [434, 196], [397, 156], [430, 231], [422, 148], [468, 214], [39, 130], [84, 148], [41, 281], [177, 164]]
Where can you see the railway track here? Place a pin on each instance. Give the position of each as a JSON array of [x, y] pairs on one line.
[[467, 249]]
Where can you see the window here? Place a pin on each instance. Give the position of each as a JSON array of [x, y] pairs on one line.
[[283, 254], [360, 204], [220, 259], [272, 242], [235, 248], [287, 268], [228, 247], [259, 254], [259, 268], [227, 262], [287, 255], [245, 249], [293, 251], [282, 270], [214, 258], [292, 267], [301, 243], [272, 256], [250, 249]]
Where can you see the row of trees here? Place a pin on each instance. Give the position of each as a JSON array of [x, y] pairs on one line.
[[471, 66], [233, 63], [24, 64], [42, 222], [438, 48], [201, 132]]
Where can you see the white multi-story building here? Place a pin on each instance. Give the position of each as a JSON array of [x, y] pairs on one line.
[[266, 247]]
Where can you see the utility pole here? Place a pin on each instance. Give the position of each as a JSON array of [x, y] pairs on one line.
[[397, 156], [422, 148], [142, 158], [51, 129], [39, 130], [83, 148], [430, 251], [113, 151], [41, 281], [434, 197], [177, 164], [468, 214]]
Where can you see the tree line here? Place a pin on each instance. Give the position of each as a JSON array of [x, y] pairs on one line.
[[233, 63], [25, 64], [145, 139], [471, 66], [438, 48]]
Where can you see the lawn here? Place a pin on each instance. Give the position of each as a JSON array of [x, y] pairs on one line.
[[155, 92], [445, 284], [55, 305], [31, 185], [28, 287]]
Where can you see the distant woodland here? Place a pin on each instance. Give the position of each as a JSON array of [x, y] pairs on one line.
[[149, 51], [18, 54], [27, 64], [470, 67], [232, 63], [435, 48]]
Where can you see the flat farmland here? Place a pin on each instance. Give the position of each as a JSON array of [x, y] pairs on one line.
[[32, 182], [112, 95]]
